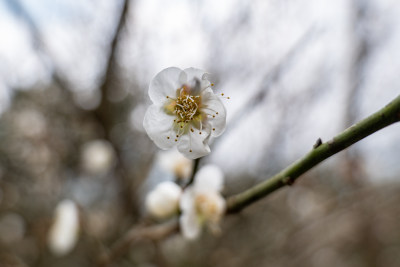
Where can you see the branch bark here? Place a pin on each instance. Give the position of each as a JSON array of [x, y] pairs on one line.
[[384, 117]]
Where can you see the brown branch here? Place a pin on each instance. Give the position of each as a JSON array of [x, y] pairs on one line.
[[138, 233]]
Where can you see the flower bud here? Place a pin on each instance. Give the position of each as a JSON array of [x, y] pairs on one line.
[[163, 201]]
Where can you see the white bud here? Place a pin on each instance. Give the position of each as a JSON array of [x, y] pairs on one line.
[[175, 163], [163, 201], [64, 230]]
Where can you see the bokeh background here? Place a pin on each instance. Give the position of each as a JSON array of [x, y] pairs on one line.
[[73, 93]]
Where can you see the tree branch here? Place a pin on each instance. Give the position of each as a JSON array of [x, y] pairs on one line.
[[153, 232], [384, 117], [194, 171]]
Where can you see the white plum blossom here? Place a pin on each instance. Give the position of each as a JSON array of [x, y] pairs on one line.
[[202, 202], [63, 233], [175, 163], [185, 111], [163, 201]]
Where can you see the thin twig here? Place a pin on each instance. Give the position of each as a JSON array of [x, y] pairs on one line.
[[384, 117], [195, 168], [137, 233]]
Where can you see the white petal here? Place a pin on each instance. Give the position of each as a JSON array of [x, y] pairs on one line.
[[220, 204], [194, 145], [175, 163], [186, 202], [165, 83], [211, 105], [201, 75], [209, 178], [193, 73], [158, 126], [163, 200], [190, 225]]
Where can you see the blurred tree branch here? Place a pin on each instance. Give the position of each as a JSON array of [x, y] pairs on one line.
[[44, 54], [271, 77], [384, 117], [361, 47], [137, 233], [108, 113]]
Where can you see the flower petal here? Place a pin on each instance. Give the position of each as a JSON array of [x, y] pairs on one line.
[[201, 75], [209, 178], [163, 200], [213, 106], [186, 202], [195, 73], [194, 145], [158, 126], [190, 225], [165, 83]]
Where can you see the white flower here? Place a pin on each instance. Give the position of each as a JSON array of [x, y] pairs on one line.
[[185, 111], [175, 163], [202, 203], [163, 201], [64, 231]]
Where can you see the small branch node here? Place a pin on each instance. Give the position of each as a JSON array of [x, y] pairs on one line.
[[288, 180], [331, 142], [317, 143]]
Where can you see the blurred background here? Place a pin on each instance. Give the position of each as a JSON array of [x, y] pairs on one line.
[[75, 162]]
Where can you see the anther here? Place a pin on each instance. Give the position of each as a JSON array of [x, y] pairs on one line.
[[192, 130], [167, 96], [223, 96], [177, 135], [176, 140], [213, 129], [199, 132], [212, 84], [167, 137], [216, 113], [190, 150]]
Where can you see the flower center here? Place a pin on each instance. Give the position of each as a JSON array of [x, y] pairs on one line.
[[206, 207], [186, 107]]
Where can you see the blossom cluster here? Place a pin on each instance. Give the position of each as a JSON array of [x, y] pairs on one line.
[[200, 204], [186, 114]]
